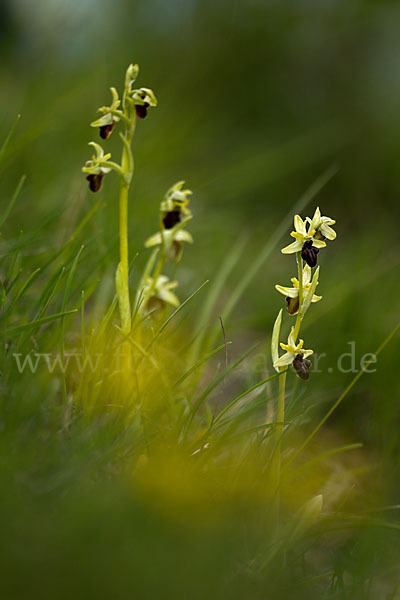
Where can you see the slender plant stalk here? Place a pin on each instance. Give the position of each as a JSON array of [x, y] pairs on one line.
[[280, 417], [123, 267], [280, 413], [300, 277], [123, 272]]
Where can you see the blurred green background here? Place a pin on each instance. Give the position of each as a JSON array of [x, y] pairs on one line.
[[257, 99]]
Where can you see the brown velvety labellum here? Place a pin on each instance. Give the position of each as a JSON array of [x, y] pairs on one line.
[[309, 254], [302, 367], [171, 218], [95, 181], [292, 305], [141, 110], [106, 130]]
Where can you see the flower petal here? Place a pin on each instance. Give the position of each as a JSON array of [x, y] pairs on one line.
[[306, 275], [183, 236], [292, 248], [318, 243], [315, 222], [106, 119], [284, 360], [168, 297], [298, 236], [299, 225], [99, 151], [291, 338], [287, 291], [154, 240], [275, 337], [327, 231]]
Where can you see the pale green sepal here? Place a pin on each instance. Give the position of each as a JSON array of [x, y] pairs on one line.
[[286, 291], [275, 338], [292, 248]]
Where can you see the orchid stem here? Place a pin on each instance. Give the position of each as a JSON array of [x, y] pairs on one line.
[[276, 458], [300, 277], [122, 275]]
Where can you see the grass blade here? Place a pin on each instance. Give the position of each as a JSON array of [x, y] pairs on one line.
[[213, 384], [243, 395], [6, 142], [176, 311], [24, 287], [12, 201], [38, 322], [200, 362]]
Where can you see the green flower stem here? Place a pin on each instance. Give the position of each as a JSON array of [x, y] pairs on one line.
[[122, 276], [120, 115], [280, 414], [300, 271], [280, 417], [112, 165], [300, 278], [122, 270], [276, 459]]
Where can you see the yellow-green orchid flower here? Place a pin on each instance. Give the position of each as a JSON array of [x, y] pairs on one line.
[[177, 199], [172, 234], [292, 293], [320, 226], [302, 236], [110, 115], [292, 351], [96, 167], [143, 98], [158, 293]]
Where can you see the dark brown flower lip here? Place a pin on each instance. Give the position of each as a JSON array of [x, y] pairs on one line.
[[302, 366], [292, 305], [95, 181], [106, 130], [171, 219], [141, 110], [309, 253]]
